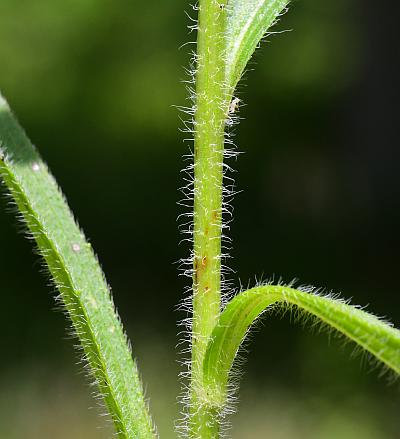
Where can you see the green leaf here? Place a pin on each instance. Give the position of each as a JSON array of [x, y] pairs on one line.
[[369, 332], [247, 23], [77, 275]]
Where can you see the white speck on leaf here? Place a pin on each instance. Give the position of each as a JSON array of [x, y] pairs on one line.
[[76, 248], [35, 167]]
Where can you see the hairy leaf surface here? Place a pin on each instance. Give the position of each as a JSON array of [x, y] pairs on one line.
[[247, 23], [374, 335], [77, 275]]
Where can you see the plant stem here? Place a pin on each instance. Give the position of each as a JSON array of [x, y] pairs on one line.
[[211, 111]]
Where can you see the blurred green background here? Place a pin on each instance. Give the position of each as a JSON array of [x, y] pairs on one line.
[[94, 83]]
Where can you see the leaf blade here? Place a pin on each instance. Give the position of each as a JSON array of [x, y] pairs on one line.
[[247, 23], [374, 335], [77, 275]]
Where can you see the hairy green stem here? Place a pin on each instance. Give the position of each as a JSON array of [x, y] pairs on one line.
[[210, 116], [78, 277]]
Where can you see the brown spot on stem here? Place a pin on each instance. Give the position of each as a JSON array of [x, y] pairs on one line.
[[199, 266], [214, 216]]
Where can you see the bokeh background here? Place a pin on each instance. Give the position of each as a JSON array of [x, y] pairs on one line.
[[94, 83]]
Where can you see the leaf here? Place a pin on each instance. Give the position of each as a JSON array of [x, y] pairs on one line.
[[247, 23], [77, 275], [369, 332]]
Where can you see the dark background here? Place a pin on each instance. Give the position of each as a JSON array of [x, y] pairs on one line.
[[94, 83]]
